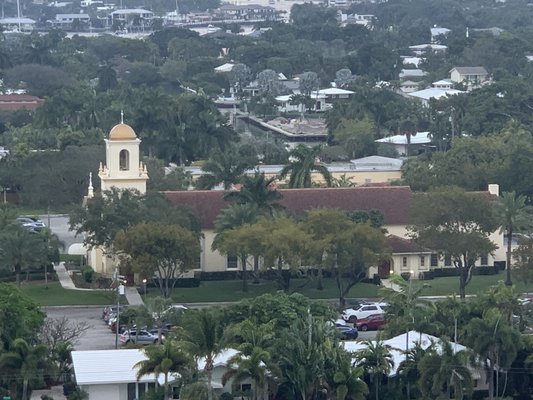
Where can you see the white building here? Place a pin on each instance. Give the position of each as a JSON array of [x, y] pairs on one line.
[[400, 142], [21, 24], [426, 95], [129, 14]]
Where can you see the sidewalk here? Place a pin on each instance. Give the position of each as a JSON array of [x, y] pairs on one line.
[[133, 297]]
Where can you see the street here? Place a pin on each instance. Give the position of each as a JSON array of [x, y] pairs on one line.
[[59, 225]]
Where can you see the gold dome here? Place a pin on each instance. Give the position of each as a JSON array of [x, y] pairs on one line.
[[122, 132]]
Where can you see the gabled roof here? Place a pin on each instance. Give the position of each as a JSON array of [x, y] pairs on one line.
[[392, 201], [224, 67], [400, 245], [470, 70]]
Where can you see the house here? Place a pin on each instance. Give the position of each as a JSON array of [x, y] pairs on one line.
[[227, 67], [418, 142], [421, 49], [426, 95], [412, 73], [437, 33], [333, 93], [445, 84], [246, 12], [130, 14], [401, 344], [415, 61], [285, 103], [16, 24], [471, 77], [14, 102], [111, 374], [365, 20], [66, 20], [409, 86]]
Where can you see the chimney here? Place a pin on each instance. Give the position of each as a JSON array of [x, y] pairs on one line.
[[494, 189]]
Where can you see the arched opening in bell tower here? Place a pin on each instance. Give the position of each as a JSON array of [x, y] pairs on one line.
[[124, 160]]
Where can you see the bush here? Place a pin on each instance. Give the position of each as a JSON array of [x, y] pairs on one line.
[[226, 396], [88, 274], [46, 397]]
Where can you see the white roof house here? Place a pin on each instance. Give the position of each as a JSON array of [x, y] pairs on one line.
[[126, 13], [412, 73], [399, 343], [433, 93], [437, 31], [14, 23], [228, 67], [399, 142], [334, 92], [420, 49], [111, 374], [412, 61]]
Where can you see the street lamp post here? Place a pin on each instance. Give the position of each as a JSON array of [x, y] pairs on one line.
[[120, 291], [144, 287]]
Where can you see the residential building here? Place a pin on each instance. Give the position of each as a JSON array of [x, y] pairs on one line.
[[246, 12], [112, 374], [17, 24], [66, 20], [437, 33], [421, 49], [409, 86], [130, 14], [426, 95], [407, 73], [471, 77], [445, 84], [417, 142]]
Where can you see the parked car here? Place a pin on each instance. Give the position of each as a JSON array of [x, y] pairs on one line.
[[31, 224], [372, 322], [353, 314], [142, 337], [347, 333]]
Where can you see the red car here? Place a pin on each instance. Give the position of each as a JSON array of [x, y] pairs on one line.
[[374, 321]]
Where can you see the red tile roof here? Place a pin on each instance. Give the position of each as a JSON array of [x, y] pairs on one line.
[[392, 201], [12, 102], [400, 245]]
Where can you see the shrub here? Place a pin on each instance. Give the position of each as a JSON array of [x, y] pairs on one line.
[[88, 274]]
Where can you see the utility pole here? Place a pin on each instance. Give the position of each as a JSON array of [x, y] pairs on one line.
[[120, 290]]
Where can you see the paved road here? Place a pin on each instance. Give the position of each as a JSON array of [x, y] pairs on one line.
[[97, 337], [59, 225]]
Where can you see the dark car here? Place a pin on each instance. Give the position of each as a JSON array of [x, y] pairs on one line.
[[372, 322], [347, 333]]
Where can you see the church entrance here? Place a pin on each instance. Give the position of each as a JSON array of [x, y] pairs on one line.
[[384, 269]]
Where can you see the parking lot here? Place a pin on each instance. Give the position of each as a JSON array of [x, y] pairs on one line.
[[97, 337]]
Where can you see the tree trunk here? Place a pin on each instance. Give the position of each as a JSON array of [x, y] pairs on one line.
[[17, 274], [244, 275], [462, 284], [491, 383], [25, 389], [167, 397], [508, 280], [377, 387], [256, 269], [319, 283], [209, 384]]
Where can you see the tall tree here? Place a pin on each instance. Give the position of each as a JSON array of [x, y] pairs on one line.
[[204, 340], [303, 164], [20, 250], [456, 223], [163, 251], [24, 363], [223, 167], [259, 191], [515, 216], [495, 341], [443, 371], [164, 359], [256, 366], [377, 361]]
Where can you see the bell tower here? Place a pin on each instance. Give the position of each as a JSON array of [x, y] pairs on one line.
[[123, 169]]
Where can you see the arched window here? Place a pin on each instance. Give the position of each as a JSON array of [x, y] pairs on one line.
[[124, 160]]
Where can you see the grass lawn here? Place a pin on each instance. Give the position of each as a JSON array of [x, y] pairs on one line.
[[213, 291], [55, 295], [449, 285]]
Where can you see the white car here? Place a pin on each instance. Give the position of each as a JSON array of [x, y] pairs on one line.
[[364, 310]]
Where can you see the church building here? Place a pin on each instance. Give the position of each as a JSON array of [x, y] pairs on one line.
[[123, 170]]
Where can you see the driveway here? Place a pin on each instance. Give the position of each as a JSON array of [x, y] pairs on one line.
[[58, 224]]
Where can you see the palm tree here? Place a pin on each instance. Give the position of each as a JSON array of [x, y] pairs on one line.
[[256, 366], [23, 362], [256, 190], [444, 370], [164, 359], [408, 369], [495, 341], [302, 165], [515, 215], [223, 167], [203, 339], [376, 360], [20, 249]]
